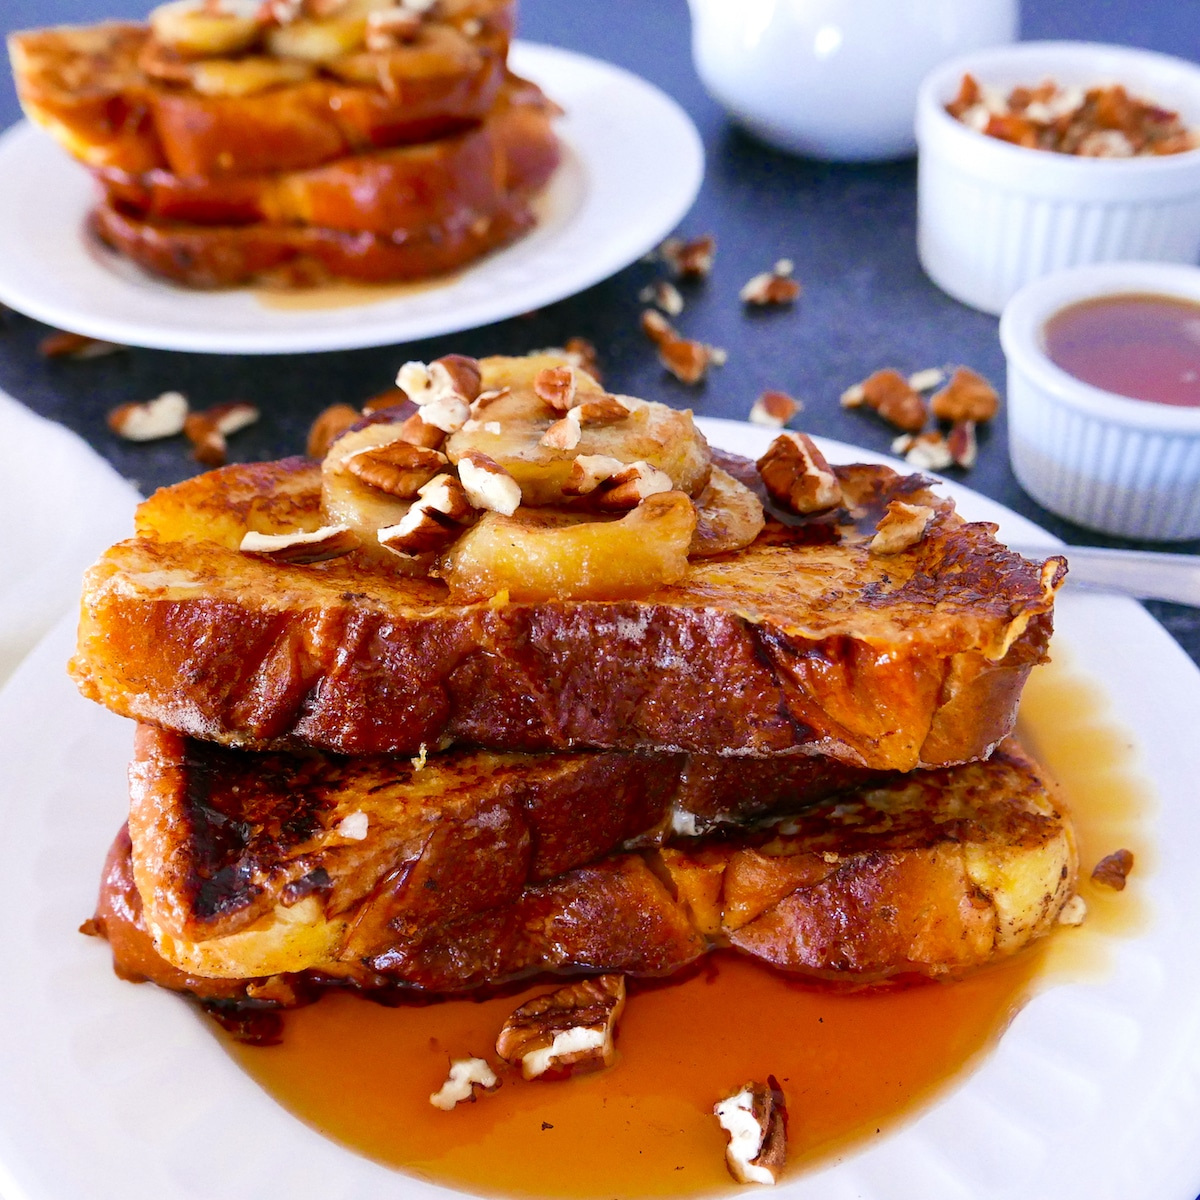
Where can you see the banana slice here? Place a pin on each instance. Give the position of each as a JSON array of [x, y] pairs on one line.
[[543, 556], [436, 50], [247, 76], [510, 430], [317, 41], [196, 32], [729, 516], [346, 500]]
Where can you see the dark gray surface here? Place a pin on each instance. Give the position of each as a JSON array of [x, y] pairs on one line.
[[850, 231]]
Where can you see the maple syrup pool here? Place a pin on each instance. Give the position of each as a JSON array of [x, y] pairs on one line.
[[852, 1065]]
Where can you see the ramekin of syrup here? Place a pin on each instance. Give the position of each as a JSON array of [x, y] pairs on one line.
[[1104, 396]]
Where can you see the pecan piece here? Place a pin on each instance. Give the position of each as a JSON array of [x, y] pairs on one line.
[[774, 409], [487, 484], [797, 475], [330, 541], [755, 1118], [77, 346], [398, 468], [208, 430], [466, 1074], [161, 417], [663, 294], [689, 259], [925, 451], [556, 386], [434, 520], [888, 393], [572, 1027], [1112, 869], [772, 287], [967, 397], [901, 526]]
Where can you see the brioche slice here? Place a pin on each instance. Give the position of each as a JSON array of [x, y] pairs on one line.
[[222, 837], [444, 184], [806, 641], [89, 87], [291, 256], [930, 875]]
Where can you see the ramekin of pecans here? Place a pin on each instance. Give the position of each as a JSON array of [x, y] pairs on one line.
[[1044, 155]]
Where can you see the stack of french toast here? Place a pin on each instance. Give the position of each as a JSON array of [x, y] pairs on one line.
[[523, 677], [295, 142]]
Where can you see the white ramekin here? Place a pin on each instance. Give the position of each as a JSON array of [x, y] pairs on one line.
[[991, 216], [1125, 467]]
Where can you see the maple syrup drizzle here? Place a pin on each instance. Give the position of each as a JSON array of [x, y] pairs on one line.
[[362, 1074], [346, 295]]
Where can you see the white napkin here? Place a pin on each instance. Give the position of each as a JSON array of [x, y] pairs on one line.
[[61, 504]]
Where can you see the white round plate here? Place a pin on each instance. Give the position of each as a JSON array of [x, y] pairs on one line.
[[116, 1092], [632, 166]]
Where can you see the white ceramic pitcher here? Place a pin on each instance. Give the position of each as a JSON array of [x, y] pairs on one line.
[[835, 79]]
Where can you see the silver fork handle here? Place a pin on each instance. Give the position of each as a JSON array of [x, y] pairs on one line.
[[1143, 574]]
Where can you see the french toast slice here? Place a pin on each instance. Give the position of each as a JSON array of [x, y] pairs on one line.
[[931, 875], [88, 87], [223, 837], [450, 182], [803, 642], [293, 256]]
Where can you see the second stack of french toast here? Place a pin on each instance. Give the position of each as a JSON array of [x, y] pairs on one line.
[[523, 677], [294, 142]]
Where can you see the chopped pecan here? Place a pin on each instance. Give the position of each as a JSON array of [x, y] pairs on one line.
[[76, 345], [353, 826], [656, 327], [556, 386], [572, 1027], [755, 1118], [797, 475], [419, 432], [901, 526], [563, 434], [489, 397], [330, 424], [443, 390], [963, 445], [628, 487], [603, 410], [925, 451], [1074, 912], [927, 380], [774, 409], [772, 287], [433, 521], [161, 417], [967, 397], [663, 294], [330, 541], [208, 430], [398, 468], [1112, 869], [466, 1074], [487, 484], [689, 259], [888, 393]]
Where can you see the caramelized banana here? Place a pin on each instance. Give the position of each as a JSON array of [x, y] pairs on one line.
[[512, 427], [317, 41], [538, 556], [348, 500], [247, 76], [195, 31], [729, 516]]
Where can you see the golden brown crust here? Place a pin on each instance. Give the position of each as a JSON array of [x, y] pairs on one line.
[[222, 836], [216, 256], [86, 87], [933, 875], [447, 183], [892, 663]]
